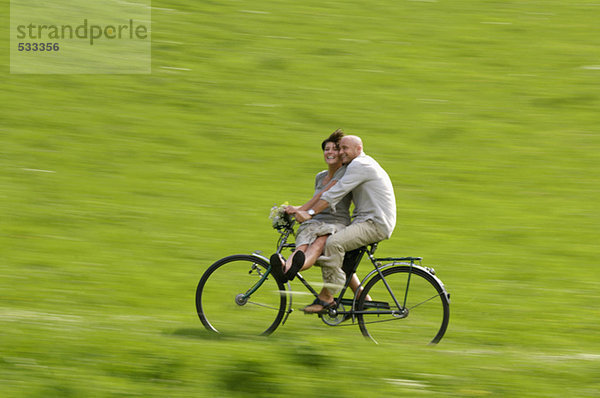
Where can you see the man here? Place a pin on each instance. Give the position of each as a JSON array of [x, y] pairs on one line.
[[374, 215]]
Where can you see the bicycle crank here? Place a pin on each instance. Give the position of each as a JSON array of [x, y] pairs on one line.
[[333, 317]]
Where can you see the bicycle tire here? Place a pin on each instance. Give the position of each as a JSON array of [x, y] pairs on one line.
[[427, 304], [221, 308]]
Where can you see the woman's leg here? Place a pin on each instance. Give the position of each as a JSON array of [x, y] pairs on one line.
[[288, 262], [311, 253]]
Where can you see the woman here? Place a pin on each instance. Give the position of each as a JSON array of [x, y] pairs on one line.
[[312, 234]]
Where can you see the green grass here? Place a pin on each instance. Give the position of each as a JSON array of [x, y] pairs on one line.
[[483, 113]]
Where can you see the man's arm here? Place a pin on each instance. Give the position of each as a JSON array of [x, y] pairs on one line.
[[353, 177]]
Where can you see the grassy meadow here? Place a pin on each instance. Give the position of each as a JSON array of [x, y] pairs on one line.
[[118, 191]]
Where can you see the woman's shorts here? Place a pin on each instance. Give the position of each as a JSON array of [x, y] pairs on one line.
[[308, 232]]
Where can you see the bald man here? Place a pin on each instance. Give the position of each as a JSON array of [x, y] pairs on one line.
[[374, 216]]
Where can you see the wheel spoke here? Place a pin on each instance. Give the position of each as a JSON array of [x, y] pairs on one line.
[[263, 305], [425, 301]]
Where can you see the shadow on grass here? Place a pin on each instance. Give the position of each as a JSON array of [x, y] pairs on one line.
[[203, 334], [196, 333]]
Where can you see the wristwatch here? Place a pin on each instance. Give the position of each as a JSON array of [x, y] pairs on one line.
[[311, 212]]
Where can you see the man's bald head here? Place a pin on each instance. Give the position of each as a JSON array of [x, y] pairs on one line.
[[350, 148]]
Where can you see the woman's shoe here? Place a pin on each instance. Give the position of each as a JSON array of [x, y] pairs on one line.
[[297, 263], [277, 267]]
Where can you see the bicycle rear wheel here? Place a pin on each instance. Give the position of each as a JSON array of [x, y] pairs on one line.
[[408, 303], [225, 301]]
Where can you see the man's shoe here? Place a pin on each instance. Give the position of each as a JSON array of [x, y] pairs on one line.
[[318, 307]]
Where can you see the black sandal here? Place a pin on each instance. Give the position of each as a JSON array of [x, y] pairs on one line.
[[326, 306], [277, 268], [297, 263]]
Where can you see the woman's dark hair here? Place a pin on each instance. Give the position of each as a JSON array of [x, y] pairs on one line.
[[335, 137]]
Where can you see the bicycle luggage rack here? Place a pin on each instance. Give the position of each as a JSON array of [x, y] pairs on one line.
[[411, 259]]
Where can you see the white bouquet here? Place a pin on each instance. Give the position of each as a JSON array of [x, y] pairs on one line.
[[279, 218]]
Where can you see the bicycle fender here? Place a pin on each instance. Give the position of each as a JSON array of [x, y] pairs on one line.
[[420, 267], [287, 285], [257, 254]]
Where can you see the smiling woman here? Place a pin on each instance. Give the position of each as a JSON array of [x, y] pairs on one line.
[[312, 234]]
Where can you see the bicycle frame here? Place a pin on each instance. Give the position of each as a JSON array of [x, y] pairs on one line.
[[381, 308]]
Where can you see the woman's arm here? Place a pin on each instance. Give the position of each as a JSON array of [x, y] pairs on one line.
[[319, 206], [312, 202]]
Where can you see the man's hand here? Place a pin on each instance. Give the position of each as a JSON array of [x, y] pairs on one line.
[[291, 209], [302, 215]]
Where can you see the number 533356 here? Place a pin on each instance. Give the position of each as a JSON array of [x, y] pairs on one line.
[[38, 47]]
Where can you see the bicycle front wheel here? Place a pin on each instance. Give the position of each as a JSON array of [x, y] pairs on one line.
[[236, 296], [408, 303]]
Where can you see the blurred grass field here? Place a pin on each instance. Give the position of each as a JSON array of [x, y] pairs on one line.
[[118, 191]]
